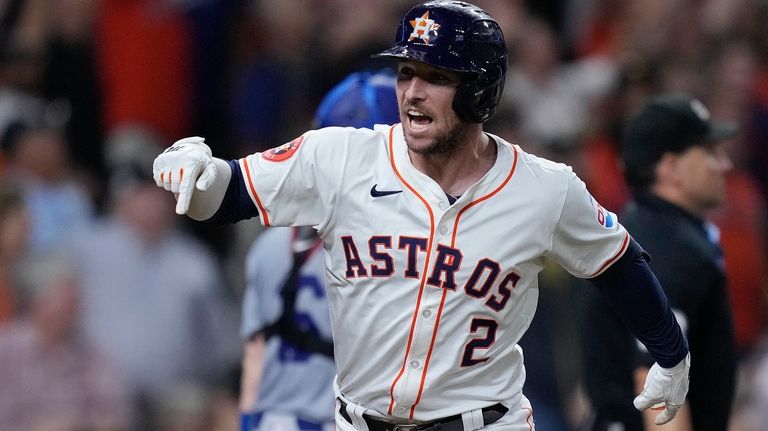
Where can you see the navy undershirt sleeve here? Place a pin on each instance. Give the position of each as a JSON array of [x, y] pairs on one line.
[[237, 204], [634, 292]]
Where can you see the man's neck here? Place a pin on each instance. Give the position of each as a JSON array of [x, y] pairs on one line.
[[456, 172], [672, 196]]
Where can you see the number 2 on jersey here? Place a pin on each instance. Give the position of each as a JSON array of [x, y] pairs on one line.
[[482, 342]]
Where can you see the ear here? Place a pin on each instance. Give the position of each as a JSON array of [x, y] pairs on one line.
[[667, 169]]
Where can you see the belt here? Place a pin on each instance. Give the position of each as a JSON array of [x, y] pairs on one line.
[[451, 423]]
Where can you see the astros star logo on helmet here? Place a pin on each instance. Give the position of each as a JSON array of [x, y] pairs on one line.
[[423, 28]]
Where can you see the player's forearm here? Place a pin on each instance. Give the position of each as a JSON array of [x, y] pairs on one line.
[[204, 204], [234, 202], [633, 291], [253, 363]]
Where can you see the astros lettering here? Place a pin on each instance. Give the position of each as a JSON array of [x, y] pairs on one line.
[[444, 271]]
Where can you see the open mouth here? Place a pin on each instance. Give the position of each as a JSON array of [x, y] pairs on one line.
[[418, 120]]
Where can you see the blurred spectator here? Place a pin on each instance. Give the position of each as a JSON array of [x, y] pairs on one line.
[[554, 100], [359, 28], [52, 379], [46, 51], [272, 85], [14, 232], [23, 33], [36, 160], [511, 16], [15, 103], [595, 28], [162, 329], [638, 79], [131, 144], [70, 74]]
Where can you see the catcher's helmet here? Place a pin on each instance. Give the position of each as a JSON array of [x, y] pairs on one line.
[[461, 37], [362, 99]]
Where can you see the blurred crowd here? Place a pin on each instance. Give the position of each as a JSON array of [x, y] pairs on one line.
[[116, 314]]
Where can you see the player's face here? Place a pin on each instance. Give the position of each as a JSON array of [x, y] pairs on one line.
[[702, 176], [425, 97]]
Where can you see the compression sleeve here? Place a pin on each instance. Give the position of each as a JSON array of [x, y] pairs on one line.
[[237, 204], [635, 293]]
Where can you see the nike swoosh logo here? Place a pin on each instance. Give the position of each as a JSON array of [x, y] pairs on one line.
[[379, 193]]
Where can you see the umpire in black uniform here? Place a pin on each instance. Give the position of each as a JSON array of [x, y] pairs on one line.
[[675, 167]]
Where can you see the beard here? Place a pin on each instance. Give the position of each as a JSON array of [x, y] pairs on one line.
[[445, 144]]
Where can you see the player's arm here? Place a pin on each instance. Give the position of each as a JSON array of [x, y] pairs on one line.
[[633, 291], [206, 187], [253, 364]]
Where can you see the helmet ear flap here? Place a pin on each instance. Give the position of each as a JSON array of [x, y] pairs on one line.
[[477, 99], [462, 102]]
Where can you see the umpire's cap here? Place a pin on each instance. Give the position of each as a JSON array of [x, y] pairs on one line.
[[362, 99], [671, 122]]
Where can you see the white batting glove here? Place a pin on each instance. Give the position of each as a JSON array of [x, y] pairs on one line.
[[182, 167], [665, 388]]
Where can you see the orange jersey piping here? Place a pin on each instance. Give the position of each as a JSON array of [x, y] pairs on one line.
[[442, 301], [262, 211], [423, 276], [614, 258]]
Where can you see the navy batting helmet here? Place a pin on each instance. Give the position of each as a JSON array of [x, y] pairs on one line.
[[461, 37], [362, 99]]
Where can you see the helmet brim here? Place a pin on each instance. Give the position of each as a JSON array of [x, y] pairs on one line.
[[426, 54], [719, 131]]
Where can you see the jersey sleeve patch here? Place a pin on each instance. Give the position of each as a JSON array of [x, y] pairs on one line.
[[605, 218], [283, 152]]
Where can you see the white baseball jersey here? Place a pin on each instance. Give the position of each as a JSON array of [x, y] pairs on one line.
[[428, 300]]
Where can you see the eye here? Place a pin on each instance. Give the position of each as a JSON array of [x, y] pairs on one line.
[[405, 73], [441, 78], [713, 151]]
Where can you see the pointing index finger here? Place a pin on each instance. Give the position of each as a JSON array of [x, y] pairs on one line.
[[186, 188]]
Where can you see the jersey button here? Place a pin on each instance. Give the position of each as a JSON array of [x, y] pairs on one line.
[[414, 364], [427, 314], [442, 205], [443, 230]]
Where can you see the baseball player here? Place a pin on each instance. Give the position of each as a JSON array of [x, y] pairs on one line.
[[288, 365], [434, 232]]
